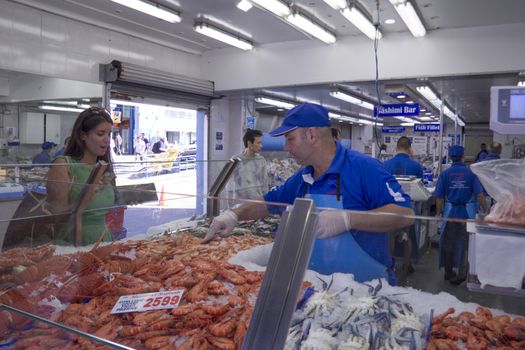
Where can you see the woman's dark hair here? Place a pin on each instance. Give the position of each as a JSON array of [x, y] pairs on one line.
[[250, 135], [86, 121]]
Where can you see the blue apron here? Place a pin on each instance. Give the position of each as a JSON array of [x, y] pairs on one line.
[[471, 207], [342, 253]]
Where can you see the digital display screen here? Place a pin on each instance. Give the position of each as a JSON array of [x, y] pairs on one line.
[[517, 106]]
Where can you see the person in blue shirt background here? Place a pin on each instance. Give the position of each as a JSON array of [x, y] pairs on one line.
[[494, 152], [402, 164], [44, 157], [454, 189], [482, 153], [333, 177]]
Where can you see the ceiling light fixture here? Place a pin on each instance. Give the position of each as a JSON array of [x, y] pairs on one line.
[[274, 102], [358, 19], [151, 9], [408, 124], [521, 83], [336, 4], [343, 117], [352, 99], [311, 27], [221, 35], [274, 6], [244, 5], [408, 14], [60, 108], [390, 21]]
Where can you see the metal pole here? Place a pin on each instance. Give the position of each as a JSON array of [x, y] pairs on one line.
[[106, 96], [71, 330], [441, 127]]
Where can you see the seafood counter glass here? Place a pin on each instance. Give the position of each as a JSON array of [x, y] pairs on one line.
[[131, 272]]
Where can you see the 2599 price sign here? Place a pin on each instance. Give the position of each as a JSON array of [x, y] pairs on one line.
[[148, 301]]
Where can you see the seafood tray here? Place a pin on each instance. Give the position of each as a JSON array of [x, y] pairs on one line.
[[265, 227], [344, 321], [79, 290], [479, 330]]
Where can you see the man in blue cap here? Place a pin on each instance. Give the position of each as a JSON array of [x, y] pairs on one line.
[[454, 190], [44, 157], [333, 177]]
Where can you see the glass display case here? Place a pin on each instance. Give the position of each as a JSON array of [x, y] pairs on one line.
[[140, 276]]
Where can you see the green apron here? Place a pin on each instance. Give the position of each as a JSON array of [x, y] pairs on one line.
[[93, 219]]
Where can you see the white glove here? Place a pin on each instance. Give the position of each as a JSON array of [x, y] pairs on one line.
[[333, 222], [221, 225]]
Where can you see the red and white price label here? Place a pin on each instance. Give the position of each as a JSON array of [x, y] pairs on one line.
[[148, 301]]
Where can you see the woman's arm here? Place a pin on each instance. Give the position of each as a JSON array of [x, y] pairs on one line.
[[58, 186]]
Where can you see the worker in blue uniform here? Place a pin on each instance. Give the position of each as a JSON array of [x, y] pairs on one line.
[[454, 189], [403, 164], [494, 152], [44, 157], [333, 177]]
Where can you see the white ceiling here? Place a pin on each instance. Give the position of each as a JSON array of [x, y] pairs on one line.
[[469, 94]]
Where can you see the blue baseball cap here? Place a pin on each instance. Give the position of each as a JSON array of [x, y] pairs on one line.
[[456, 151], [305, 115], [48, 145]]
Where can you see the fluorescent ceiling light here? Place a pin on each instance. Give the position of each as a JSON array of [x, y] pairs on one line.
[[405, 119], [67, 103], [219, 34], [59, 108], [343, 117], [390, 21], [408, 14], [429, 95], [244, 5], [408, 124], [521, 83], [274, 102], [348, 98], [152, 10], [425, 119], [275, 6], [336, 4], [358, 19], [84, 106], [311, 27]]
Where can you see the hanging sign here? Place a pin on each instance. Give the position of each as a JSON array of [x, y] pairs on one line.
[[148, 301], [392, 129], [250, 122], [396, 110], [426, 128]]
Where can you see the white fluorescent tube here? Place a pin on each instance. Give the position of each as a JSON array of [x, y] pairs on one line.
[[408, 124], [336, 4], [273, 102], [68, 103], [244, 5], [425, 119], [218, 34], [275, 6], [311, 27], [358, 19], [408, 14], [521, 83], [58, 108], [405, 119], [348, 98], [152, 10], [343, 117]]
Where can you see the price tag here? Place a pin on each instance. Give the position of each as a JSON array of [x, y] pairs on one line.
[[148, 301]]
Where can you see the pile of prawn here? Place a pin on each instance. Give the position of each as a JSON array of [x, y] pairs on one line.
[[79, 290]]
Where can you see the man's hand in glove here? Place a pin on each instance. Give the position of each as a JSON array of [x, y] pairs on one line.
[[221, 225], [333, 222]]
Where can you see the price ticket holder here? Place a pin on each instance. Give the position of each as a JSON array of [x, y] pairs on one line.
[[283, 278], [501, 235]]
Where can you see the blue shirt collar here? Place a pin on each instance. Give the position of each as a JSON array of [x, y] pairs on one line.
[[458, 164], [402, 155], [335, 167]]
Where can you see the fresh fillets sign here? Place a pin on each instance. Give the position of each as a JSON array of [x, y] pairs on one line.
[[148, 301]]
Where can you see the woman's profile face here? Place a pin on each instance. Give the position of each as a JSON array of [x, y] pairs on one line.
[[97, 140]]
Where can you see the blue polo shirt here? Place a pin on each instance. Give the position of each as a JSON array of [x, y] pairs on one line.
[[402, 164], [42, 158], [364, 183], [490, 156], [457, 184]]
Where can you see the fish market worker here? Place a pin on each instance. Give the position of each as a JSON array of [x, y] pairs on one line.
[[455, 188], [333, 177]]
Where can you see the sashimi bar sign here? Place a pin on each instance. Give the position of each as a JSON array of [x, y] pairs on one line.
[[395, 110]]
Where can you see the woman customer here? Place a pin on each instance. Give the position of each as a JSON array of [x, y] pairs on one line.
[[89, 143]]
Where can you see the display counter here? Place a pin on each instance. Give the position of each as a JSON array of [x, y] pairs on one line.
[[263, 287]]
